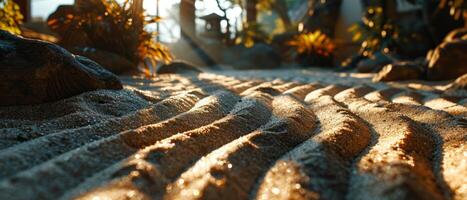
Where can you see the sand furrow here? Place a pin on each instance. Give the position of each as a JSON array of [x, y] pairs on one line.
[[301, 91], [354, 92], [408, 97], [152, 168], [447, 105], [319, 168], [73, 167], [83, 110], [451, 166], [175, 84], [230, 172], [330, 90], [383, 95], [20, 157], [233, 135], [399, 165], [273, 87], [204, 112]]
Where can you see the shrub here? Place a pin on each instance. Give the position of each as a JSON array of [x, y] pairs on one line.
[[117, 28], [313, 48], [10, 17]]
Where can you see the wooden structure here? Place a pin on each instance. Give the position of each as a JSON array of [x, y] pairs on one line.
[[213, 25]]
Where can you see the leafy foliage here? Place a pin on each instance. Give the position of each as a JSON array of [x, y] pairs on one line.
[[118, 28], [10, 16], [314, 48], [375, 32], [313, 43]]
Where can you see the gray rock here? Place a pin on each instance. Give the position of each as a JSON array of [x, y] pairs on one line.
[[33, 72]]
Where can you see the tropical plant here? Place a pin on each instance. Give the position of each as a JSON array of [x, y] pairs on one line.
[[118, 28], [10, 16], [313, 42], [313, 48]]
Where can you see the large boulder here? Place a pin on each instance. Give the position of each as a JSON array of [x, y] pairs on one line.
[[400, 71], [110, 61], [33, 72], [448, 60], [70, 36]]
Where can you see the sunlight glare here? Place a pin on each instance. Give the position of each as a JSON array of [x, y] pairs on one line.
[[165, 5]]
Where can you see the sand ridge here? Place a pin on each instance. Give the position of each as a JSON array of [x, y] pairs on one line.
[[238, 136]]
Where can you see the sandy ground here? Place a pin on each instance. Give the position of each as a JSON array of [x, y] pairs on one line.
[[272, 134]]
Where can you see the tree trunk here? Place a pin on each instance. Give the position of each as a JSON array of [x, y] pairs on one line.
[[280, 6], [251, 11], [187, 19], [138, 13], [138, 6]]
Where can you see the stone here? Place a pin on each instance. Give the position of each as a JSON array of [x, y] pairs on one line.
[[448, 61], [177, 67], [34, 72], [457, 88], [374, 63], [110, 61], [459, 83], [259, 56], [70, 35], [399, 71], [456, 34]]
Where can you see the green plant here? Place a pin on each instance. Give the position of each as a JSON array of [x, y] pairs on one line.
[[118, 28], [10, 17]]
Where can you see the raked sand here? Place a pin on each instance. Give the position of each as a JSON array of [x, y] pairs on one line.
[[278, 134]]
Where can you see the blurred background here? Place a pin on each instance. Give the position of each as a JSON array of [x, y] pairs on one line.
[[138, 35]]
